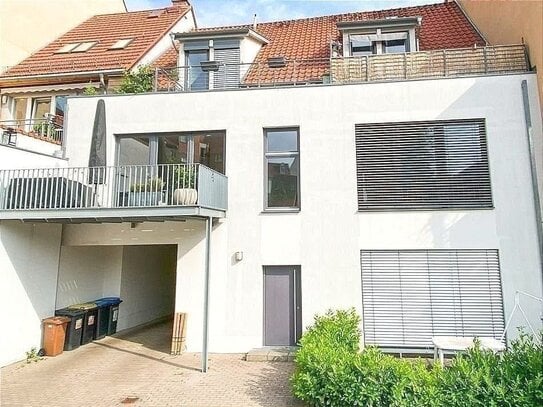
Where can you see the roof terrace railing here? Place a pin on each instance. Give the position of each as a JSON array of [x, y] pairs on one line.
[[127, 186], [48, 129], [449, 63]]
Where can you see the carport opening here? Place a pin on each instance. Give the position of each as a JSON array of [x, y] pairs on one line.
[[143, 276]]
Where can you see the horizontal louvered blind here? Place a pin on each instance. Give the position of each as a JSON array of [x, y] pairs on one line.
[[409, 296], [228, 75], [423, 165]]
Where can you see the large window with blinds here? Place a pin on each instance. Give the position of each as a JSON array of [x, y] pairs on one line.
[[440, 164], [409, 296]]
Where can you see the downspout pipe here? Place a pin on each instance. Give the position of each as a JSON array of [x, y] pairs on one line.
[[533, 170]]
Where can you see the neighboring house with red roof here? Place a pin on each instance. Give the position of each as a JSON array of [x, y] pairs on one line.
[[95, 54], [376, 160]]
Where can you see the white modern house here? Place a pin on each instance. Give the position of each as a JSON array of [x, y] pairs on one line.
[[379, 160]]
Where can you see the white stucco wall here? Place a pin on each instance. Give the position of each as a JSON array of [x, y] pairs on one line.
[[88, 273], [29, 257], [38, 146], [147, 284], [326, 236], [18, 158], [186, 23]]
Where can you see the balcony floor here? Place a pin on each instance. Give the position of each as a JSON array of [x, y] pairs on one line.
[[111, 215]]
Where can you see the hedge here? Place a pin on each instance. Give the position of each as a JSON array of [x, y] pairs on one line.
[[331, 371]]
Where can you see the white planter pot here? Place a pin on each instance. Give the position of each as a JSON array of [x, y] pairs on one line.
[[185, 196]]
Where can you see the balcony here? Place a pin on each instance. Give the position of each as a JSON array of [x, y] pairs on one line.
[[46, 129], [131, 193], [450, 63]]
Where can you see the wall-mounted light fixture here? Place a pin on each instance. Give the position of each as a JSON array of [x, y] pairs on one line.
[[238, 256], [4, 99]]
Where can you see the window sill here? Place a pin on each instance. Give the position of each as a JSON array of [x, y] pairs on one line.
[[281, 210]]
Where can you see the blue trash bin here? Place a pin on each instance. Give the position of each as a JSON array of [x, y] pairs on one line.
[[108, 314]]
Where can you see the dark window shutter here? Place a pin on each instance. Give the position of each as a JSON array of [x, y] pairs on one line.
[[423, 165]]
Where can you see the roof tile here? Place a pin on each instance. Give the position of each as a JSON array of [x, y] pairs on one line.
[[443, 26]]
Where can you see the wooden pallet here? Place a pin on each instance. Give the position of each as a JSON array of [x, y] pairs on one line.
[[179, 333]]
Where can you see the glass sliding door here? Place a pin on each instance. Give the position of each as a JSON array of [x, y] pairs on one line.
[[166, 159], [134, 174]]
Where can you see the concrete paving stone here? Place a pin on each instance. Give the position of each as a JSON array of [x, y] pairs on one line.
[[108, 371]]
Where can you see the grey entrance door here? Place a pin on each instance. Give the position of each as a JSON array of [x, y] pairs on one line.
[[282, 305]]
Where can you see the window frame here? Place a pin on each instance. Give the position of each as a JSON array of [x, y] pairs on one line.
[[432, 268], [443, 168], [281, 154], [153, 138], [188, 84], [378, 34], [34, 108]]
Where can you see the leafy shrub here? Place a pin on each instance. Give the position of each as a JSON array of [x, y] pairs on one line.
[[137, 81], [482, 378], [330, 371], [90, 90]]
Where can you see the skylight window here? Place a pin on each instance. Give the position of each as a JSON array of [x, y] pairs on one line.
[[67, 48], [121, 44], [84, 46]]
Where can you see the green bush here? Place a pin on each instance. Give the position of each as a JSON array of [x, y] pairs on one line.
[[330, 371], [138, 81], [482, 378]]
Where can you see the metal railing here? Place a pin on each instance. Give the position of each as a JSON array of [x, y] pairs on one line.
[[339, 70], [125, 186], [48, 128]]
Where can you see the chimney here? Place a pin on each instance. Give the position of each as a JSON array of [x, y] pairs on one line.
[[254, 22], [180, 3]]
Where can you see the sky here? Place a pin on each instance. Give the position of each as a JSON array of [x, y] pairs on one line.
[[211, 13]]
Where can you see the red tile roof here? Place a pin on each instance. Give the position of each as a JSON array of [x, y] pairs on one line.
[[443, 26], [106, 29]]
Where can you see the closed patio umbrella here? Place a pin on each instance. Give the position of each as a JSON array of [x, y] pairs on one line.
[[97, 156]]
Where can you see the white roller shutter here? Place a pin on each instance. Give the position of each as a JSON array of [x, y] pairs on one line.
[[411, 295]]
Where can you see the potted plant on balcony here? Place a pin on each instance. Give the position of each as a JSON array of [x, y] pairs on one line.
[[147, 193], [184, 185]]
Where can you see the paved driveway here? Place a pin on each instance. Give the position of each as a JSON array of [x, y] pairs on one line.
[[136, 371]]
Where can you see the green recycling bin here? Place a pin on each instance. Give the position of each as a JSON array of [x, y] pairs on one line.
[[89, 322]]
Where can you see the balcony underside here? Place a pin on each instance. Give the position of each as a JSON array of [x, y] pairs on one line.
[[112, 215]]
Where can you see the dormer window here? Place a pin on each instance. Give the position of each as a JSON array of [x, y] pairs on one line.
[[388, 36], [212, 59]]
